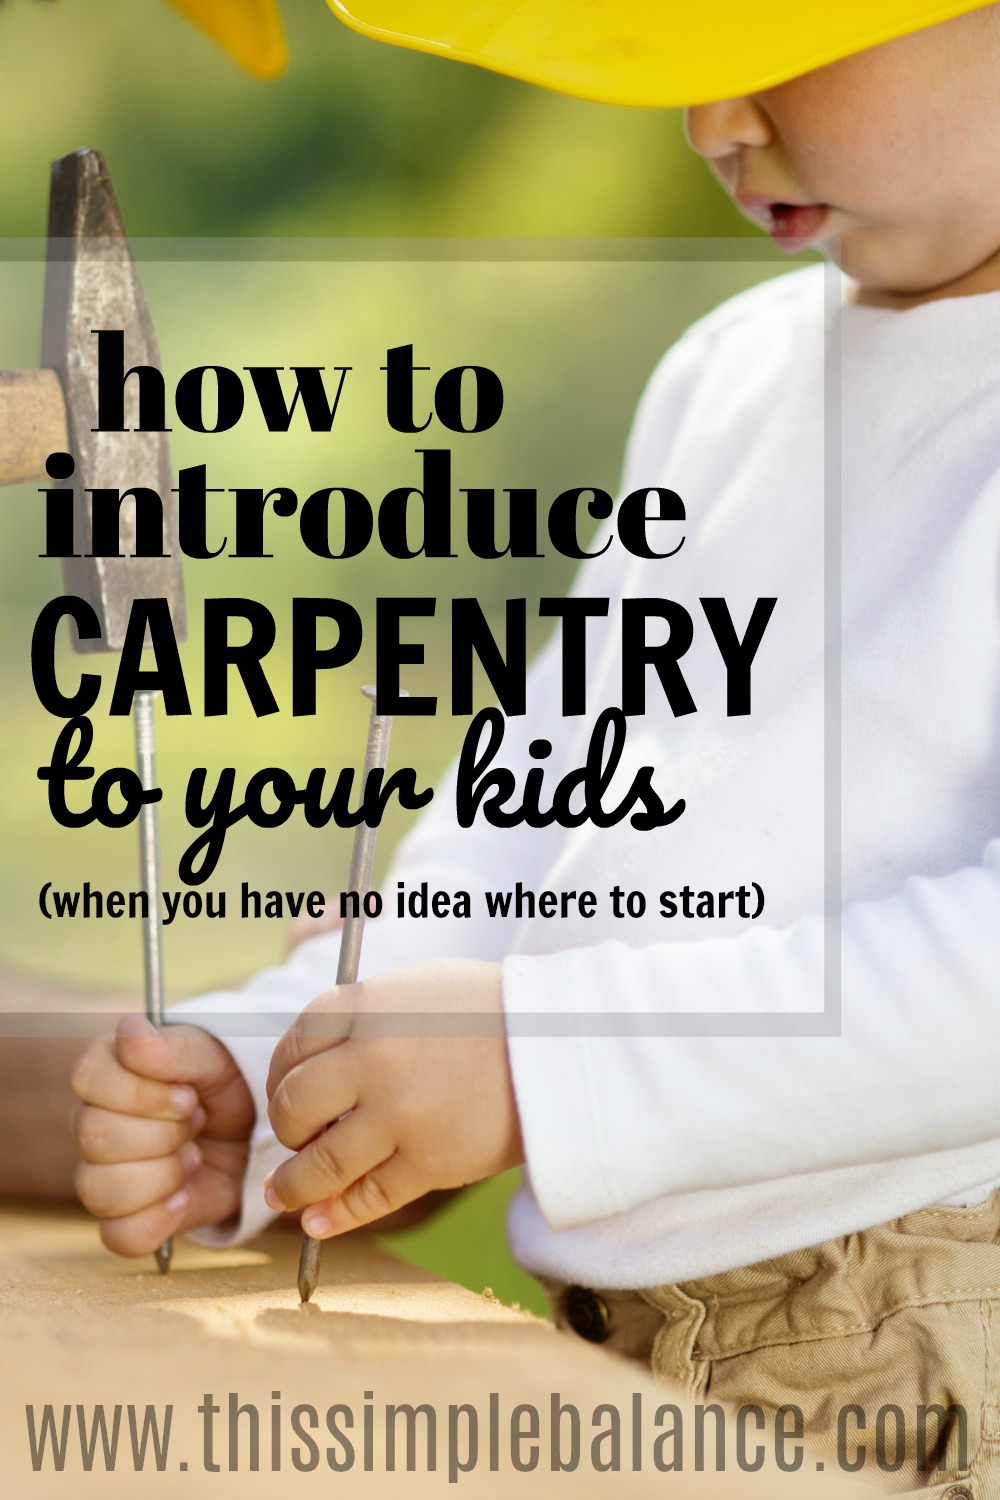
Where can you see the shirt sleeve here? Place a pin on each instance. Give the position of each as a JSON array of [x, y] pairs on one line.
[[439, 852], [615, 1113]]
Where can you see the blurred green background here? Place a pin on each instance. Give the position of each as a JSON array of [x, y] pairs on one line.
[[356, 140], [356, 137]]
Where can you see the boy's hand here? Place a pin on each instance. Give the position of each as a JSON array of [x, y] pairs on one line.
[[417, 1061], [305, 927], [163, 1132]]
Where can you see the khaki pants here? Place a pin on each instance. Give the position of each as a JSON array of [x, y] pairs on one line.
[[887, 1341]]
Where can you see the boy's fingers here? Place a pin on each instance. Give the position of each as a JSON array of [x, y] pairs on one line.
[[142, 1233], [100, 1079], [332, 1162], [211, 1196], [126, 1187], [310, 1096], [104, 1136], [383, 1190], [322, 1027]]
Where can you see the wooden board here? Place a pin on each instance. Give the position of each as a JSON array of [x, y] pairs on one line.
[[79, 1327]]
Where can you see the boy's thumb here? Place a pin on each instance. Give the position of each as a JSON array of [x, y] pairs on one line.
[[175, 1054]]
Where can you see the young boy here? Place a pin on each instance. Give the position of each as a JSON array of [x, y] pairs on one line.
[[660, 1164]]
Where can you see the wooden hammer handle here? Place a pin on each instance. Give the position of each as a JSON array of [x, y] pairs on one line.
[[32, 423]]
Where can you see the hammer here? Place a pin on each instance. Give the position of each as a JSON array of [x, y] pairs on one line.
[[48, 422]]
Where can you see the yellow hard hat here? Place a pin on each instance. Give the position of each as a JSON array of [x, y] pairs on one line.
[[653, 52], [249, 30]]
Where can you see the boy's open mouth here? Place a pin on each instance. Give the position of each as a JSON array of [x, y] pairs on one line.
[[788, 223]]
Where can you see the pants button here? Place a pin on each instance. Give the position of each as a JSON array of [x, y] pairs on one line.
[[958, 1492], [587, 1314]]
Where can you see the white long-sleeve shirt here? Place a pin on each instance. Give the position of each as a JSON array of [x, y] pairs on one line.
[[700, 1093]]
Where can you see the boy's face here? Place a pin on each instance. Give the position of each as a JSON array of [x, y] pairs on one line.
[[889, 160]]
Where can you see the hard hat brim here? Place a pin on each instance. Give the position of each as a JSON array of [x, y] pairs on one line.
[[645, 52], [251, 31]]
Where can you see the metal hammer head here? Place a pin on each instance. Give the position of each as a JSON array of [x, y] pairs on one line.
[[92, 283]]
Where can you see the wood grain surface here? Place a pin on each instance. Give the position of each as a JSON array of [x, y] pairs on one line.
[[78, 1327]]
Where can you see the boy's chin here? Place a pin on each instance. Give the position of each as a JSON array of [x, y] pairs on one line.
[[889, 274], [876, 269]]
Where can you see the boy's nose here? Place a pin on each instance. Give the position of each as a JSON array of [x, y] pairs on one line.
[[718, 129]]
